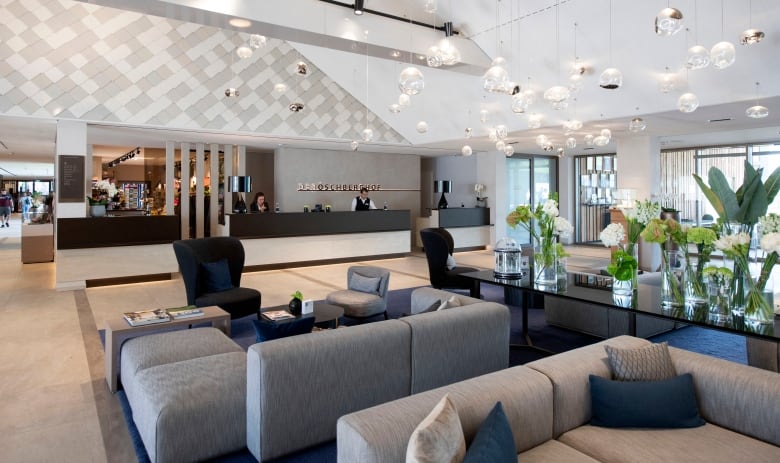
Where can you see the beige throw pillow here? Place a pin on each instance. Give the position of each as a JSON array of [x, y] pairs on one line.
[[651, 363], [439, 437], [453, 301]]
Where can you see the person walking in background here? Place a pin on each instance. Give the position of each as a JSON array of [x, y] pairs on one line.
[[26, 205], [6, 207]]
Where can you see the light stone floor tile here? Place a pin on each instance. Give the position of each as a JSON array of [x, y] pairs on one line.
[[54, 403]]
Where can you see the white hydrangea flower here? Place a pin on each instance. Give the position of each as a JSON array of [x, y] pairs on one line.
[[612, 235], [770, 242], [550, 208], [646, 211], [562, 227], [731, 242], [770, 223]]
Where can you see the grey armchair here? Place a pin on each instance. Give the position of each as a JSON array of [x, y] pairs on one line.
[[366, 293], [211, 269]]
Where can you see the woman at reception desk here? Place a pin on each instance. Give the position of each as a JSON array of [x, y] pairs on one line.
[[281, 238]]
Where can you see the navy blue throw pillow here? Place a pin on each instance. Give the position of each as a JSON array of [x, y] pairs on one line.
[[669, 403], [267, 331], [216, 276], [494, 442]]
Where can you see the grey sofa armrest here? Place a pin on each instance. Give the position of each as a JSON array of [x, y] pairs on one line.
[[742, 398], [380, 434], [422, 298]]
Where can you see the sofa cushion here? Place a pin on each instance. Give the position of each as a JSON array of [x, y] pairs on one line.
[[494, 442], [554, 451], [438, 437], [216, 276], [669, 403], [649, 363], [267, 331], [358, 282], [705, 444]]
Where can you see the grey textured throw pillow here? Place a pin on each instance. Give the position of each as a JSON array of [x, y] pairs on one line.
[[358, 282], [651, 363]]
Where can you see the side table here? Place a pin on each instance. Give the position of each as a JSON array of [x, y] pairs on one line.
[[118, 331], [325, 315]]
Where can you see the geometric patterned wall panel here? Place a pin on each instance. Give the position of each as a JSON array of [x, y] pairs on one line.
[[75, 60]]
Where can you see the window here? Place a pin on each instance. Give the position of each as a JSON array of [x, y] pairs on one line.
[[530, 180], [595, 179]]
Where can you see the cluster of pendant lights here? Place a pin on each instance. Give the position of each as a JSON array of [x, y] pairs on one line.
[[720, 56]]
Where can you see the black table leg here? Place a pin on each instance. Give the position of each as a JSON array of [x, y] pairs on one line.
[[474, 290], [526, 301]]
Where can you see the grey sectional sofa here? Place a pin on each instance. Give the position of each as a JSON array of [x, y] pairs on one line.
[[547, 403], [298, 387]]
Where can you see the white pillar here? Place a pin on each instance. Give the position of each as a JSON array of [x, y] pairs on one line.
[[214, 189], [170, 171], [639, 168], [200, 189], [72, 141], [184, 198]]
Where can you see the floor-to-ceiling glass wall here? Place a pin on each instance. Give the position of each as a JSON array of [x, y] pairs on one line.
[[595, 178], [530, 180]]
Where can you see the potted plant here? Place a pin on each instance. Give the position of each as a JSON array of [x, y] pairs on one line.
[[296, 304], [97, 206]]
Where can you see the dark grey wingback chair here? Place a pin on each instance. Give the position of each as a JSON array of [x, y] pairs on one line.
[[366, 296], [192, 254], [438, 244]]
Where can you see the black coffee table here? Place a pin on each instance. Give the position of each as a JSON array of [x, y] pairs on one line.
[[325, 315]]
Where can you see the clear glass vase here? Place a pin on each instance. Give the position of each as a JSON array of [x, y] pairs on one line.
[[625, 280], [695, 284], [672, 279], [546, 264], [719, 294]]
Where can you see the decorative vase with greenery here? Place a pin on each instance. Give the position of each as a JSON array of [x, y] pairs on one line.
[[623, 265], [544, 227], [672, 262], [97, 206], [296, 304], [695, 285], [738, 213]]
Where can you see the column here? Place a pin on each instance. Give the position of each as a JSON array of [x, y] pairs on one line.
[[184, 197], [214, 188], [72, 141], [170, 174], [200, 189]]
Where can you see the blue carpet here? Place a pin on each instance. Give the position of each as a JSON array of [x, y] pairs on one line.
[[706, 341]]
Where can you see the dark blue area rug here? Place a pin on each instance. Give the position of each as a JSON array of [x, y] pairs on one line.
[[706, 341]]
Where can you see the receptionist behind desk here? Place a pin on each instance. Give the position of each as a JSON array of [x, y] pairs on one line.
[[259, 204], [363, 202]]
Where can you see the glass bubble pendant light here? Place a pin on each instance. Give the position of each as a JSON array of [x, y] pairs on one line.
[[723, 54], [698, 58], [611, 78], [687, 103], [496, 78], [757, 111], [411, 81], [668, 22]]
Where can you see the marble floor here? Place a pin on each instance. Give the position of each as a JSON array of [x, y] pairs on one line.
[[54, 402]]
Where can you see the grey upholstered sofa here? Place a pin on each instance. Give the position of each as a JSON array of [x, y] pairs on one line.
[[547, 403], [298, 387]]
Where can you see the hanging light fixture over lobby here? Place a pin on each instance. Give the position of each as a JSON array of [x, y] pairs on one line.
[[757, 111], [750, 36], [611, 78], [668, 22]]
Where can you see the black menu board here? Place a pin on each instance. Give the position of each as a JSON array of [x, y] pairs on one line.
[[71, 179]]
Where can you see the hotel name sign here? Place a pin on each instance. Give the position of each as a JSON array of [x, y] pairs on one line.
[[323, 186]]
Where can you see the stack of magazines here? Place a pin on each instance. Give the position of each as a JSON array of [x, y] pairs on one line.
[[147, 317], [185, 312]]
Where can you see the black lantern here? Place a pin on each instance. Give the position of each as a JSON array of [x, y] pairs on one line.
[[240, 184], [442, 186]]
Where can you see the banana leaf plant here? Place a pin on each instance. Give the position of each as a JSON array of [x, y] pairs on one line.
[[748, 203]]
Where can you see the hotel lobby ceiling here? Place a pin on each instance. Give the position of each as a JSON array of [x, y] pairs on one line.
[[526, 37]]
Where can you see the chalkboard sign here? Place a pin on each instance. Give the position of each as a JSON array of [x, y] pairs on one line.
[[71, 179]]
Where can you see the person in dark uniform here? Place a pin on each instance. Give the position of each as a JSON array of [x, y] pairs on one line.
[[363, 202], [259, 204]]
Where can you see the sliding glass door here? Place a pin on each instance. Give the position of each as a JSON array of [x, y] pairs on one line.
[[530, 180]]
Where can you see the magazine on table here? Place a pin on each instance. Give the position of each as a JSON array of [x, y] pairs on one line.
[[184, 312], [147, 317], [275, 315]]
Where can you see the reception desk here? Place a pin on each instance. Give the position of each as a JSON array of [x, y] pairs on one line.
[[121, 248], [469, 226], [292, 238]]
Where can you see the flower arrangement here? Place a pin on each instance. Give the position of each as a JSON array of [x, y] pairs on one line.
[[99, 201], [638, 217], [659, 231], [704, 239], [297, 295], [623, 265], [543, 225], [478, 189]]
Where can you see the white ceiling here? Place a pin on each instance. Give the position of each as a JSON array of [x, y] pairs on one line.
[[537, 37]]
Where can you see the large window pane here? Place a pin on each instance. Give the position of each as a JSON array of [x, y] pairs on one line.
[[529, 181], [595, 181]]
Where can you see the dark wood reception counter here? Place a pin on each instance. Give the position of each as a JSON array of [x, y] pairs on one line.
[[129, 230], [287, 224]]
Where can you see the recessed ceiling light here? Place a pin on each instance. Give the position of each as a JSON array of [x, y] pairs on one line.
[[240, 22], [395, 54]]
